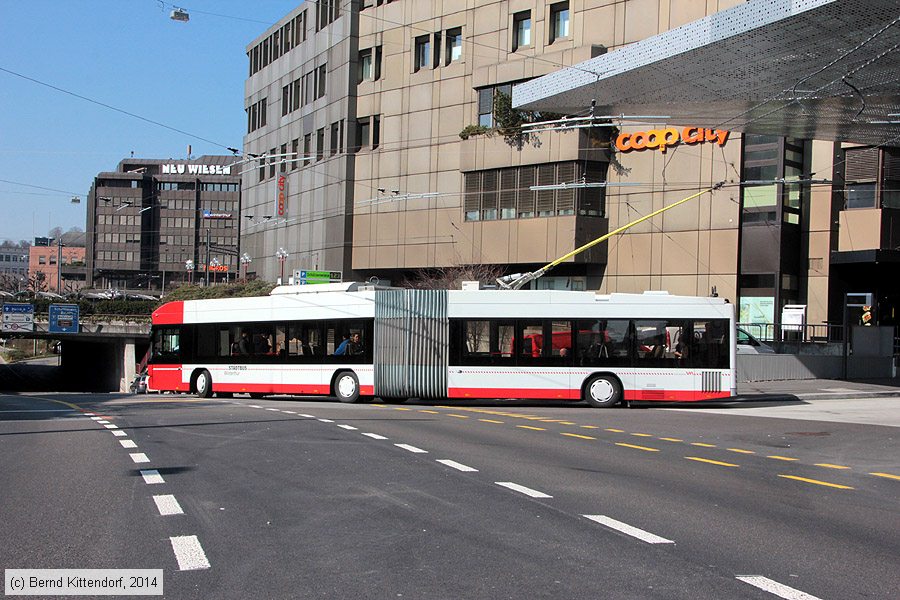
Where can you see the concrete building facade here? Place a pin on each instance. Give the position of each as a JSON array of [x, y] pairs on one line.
[[384, 128], [62, 267], [157, 222]]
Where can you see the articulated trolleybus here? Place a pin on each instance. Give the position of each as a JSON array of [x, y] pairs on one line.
[[357, 342]]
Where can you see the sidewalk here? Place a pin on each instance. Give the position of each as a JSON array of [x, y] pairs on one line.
[[823, 388]]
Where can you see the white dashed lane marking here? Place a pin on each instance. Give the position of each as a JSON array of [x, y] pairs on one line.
[[151, 476], [458, 466], [773, 587], [347, 427], [189, 553], [128, 443], [167, 505], [139, 457], [102, 421], [412, 448], [306, 416], [111, 426], [96, 418], [326, 420], [644, 536], [375, 436], [119, 433], [522, 489]]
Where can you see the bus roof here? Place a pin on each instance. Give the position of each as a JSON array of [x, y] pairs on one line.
[[342, 301]]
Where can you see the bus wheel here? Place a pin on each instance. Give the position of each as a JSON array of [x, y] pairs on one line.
[[346, 387], [203, 384], [603, 391]]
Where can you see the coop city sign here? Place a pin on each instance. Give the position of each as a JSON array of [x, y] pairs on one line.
[[668, 137]]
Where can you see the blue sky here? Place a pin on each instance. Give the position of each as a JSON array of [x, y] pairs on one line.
[[127, 54]]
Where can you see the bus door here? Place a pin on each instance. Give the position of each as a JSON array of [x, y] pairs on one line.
[[604, 346], [306, 349]]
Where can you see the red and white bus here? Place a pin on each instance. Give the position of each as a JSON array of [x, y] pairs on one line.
[[448, 344]]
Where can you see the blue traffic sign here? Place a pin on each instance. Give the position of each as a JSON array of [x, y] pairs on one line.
[[64, 318]]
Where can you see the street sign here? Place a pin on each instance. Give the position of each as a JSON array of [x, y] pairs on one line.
[[64, 318], [310, 277], [17, 317]]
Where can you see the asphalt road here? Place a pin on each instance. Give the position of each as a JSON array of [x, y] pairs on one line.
[[286, 498]]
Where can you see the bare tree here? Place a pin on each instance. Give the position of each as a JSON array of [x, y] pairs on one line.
[[9, 283], [451, 278], [37, 282]]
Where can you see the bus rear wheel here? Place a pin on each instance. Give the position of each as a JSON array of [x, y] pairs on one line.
[[346, 387], [602, 391], [203, 384]]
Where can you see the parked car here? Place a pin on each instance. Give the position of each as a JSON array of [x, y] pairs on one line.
[[748, 344], [139, 385]]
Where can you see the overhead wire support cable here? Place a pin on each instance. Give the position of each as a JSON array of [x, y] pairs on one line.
[[518, 280]]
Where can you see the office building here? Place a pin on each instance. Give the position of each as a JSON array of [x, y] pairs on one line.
[[153, 223], [388, 148]]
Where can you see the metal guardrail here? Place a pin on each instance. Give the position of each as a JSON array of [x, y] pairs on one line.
[[811, 332]]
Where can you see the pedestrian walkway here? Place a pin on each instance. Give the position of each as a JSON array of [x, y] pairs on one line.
[[823, 388]]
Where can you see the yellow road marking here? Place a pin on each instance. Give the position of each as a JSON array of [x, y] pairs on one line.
[[69, 404], [379, 406], [831, 466], [583, 437], [566, 423], [530, 427], [776, 457], [590, 427], [741, 451], [430, 412], [552, 421], [399, 408], [641, 435], [671, 439], [702, 445], [712, 462], [888, 475], [490, 421], [817, 482], [615, 430], [644, 448], [457, 416]]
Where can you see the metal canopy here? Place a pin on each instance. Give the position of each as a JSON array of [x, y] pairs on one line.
[[811, 69]]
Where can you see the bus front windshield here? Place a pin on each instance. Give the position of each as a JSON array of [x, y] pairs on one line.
[[166, 345]]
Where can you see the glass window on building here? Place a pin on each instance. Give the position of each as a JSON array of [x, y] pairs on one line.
[[454, 45], [559, 21], [362, 133], [422, 48], [521, 30], [366, 67]]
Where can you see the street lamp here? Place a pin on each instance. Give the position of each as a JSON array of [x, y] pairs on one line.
[[281, 255], [245, 262], [214, 263], [189, 267]]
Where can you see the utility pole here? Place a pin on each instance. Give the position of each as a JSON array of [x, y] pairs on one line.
[[58, 264], [207, 257]]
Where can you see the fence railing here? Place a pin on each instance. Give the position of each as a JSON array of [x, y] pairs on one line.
[[810, 332]]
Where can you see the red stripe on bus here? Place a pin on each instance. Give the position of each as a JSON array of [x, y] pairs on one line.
[[563, 394], [543, 394], [170, 313]]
